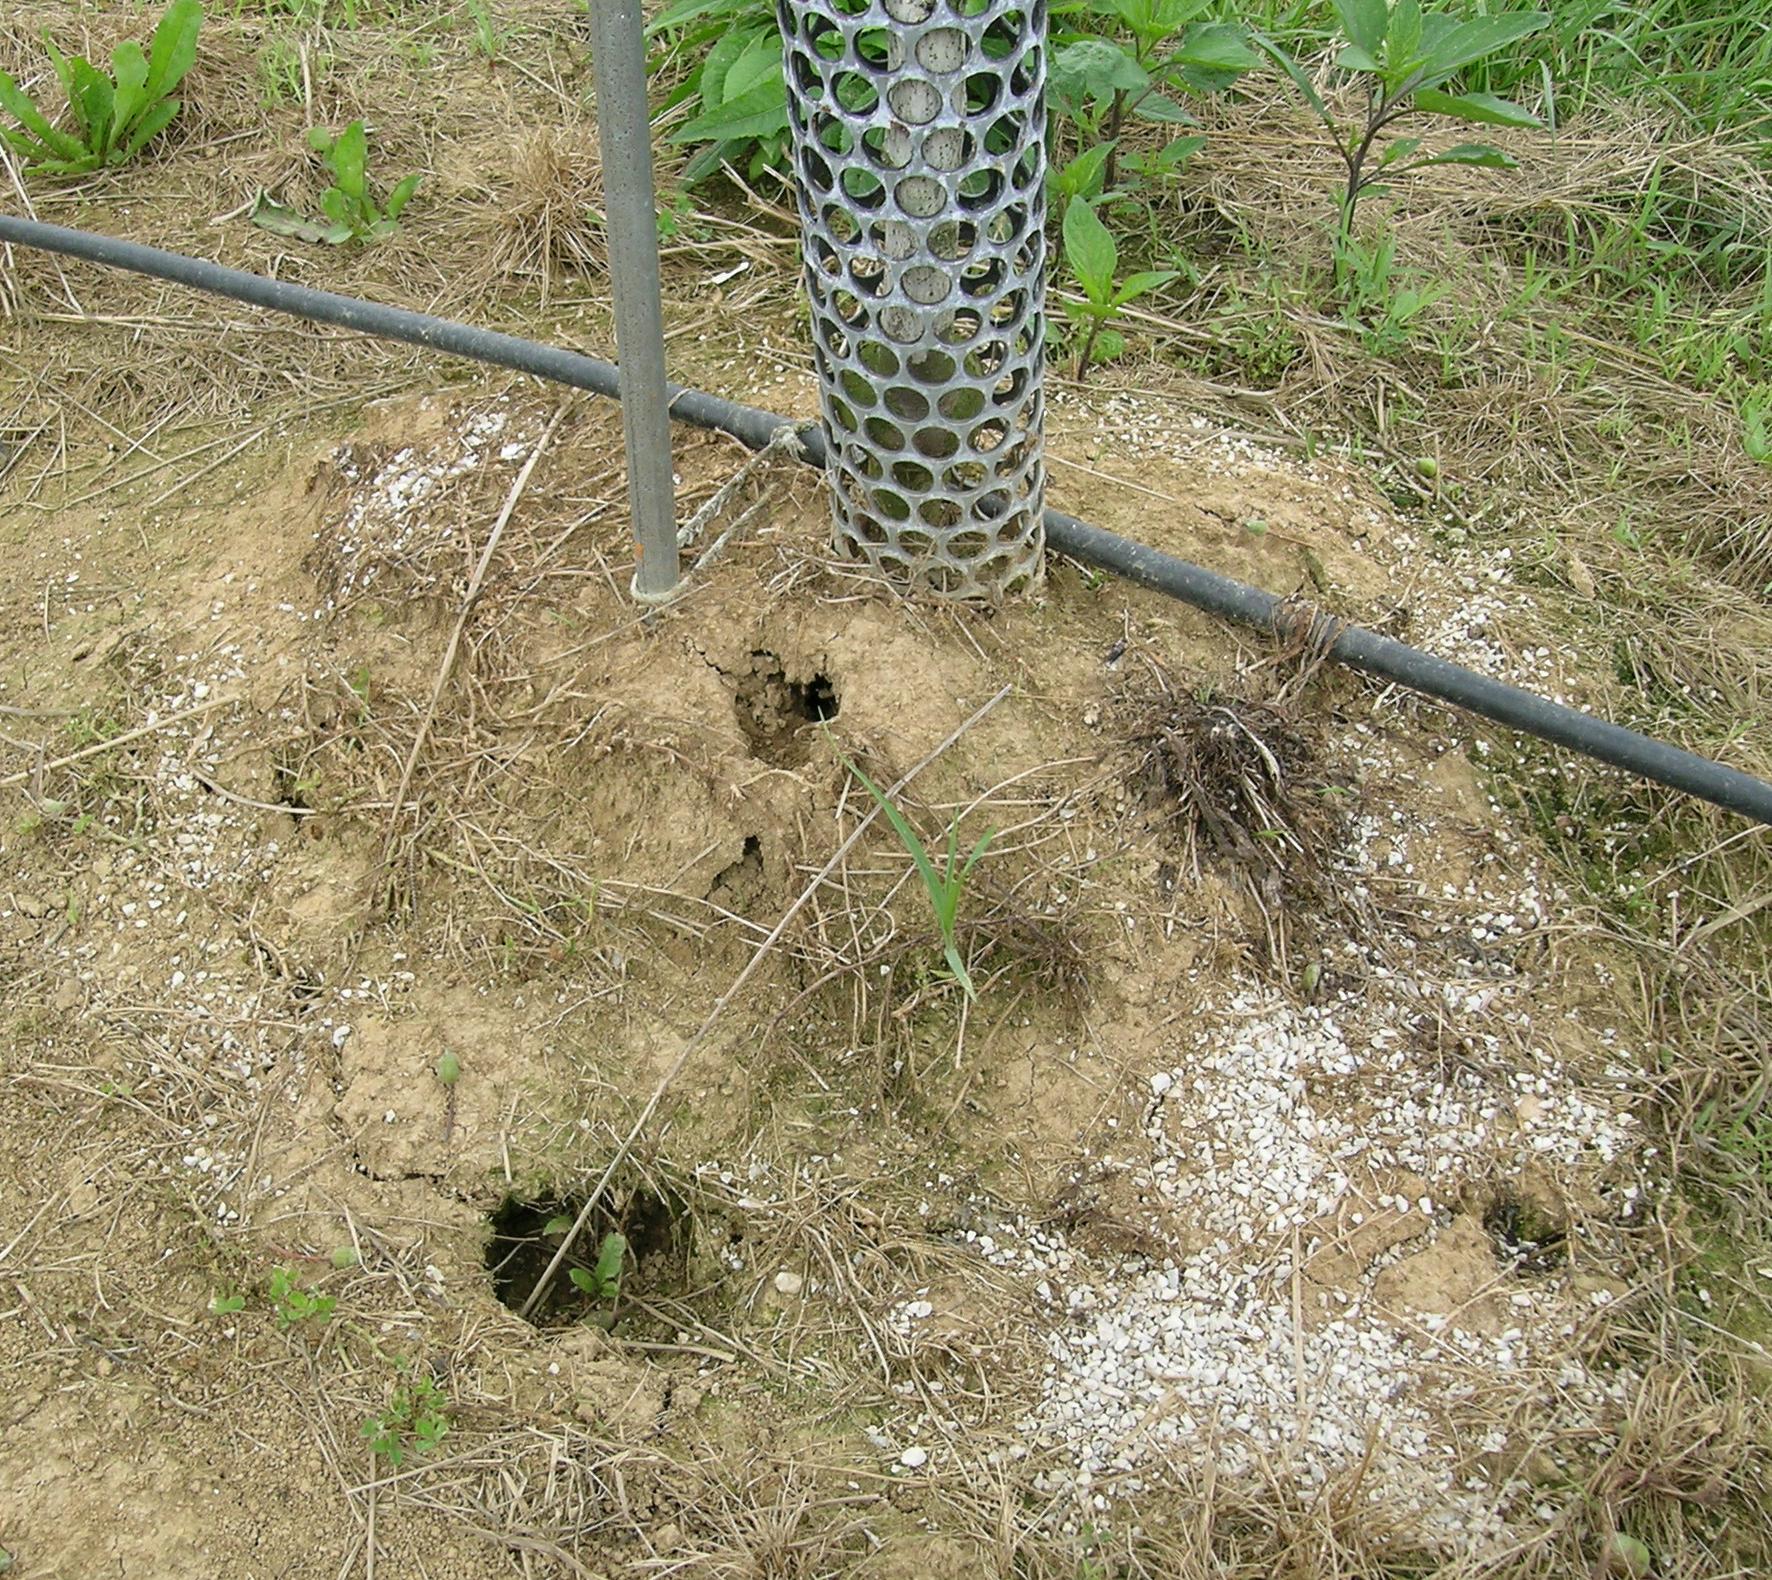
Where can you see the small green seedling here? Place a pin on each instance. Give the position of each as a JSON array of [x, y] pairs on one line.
[[344, 1256], [416, 1419], [602, 1282], [1756, 428], [488, 40], [1405, 59], [1094, 260], [295, 1305], [352, 213], [944, 888], [1626, 1557], [448, 1068], [1101, 83], [110, 119], [226, 1305]]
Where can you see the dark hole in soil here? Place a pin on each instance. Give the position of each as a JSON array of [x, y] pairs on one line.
[[741, 884], [291, 792], [526, 1234], [1525, 1237], [773, 711]]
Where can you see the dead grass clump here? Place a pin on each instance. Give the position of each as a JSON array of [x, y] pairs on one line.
[[546, 219], [1241, 782]]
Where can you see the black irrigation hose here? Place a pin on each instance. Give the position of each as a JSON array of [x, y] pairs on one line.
[[1220, 595]]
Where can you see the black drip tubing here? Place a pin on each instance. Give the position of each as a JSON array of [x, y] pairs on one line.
[[1380, 656]]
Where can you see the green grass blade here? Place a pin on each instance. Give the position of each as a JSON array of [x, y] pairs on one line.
[[1296, 73], [958, 966], [977, 850], [906, 834]]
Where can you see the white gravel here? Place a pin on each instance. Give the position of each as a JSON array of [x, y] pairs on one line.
[[1276, 1131]]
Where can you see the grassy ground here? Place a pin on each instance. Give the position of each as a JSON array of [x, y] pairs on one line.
[[1557, 375]]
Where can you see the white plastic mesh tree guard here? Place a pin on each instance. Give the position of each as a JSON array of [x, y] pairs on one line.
[[919, 144]]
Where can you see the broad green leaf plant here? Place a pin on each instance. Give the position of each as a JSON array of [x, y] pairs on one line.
[[1093, 258], [739, 88], [1407, 60], [112, 118], [603, 1281], [349, 205], [1101, 83]]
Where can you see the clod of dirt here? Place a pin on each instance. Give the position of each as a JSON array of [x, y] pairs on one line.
[[526, 1234], [774, 710]]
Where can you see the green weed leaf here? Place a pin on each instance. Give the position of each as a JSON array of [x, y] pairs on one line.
[[1162, 109], [1479, 154], [1091, 69], [280, 220], [130, 67], [761, 109], [1483, 108], [1353, 58], [1082, 177], [64, 71], [1142, 283], [1090, 251], [402, 195], [1152, 21], [720, 61], [149, 127], [1110, 345], [1215, 47], [1365, 22], [17, 103], [610, 1256], [1471, 41], [348, 160], [174, 50], [1170, 158], [674, 16], [1402, 45], [92, 101]]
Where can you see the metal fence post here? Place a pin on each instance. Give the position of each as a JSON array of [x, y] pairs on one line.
[[919, 154], [624, 135]]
